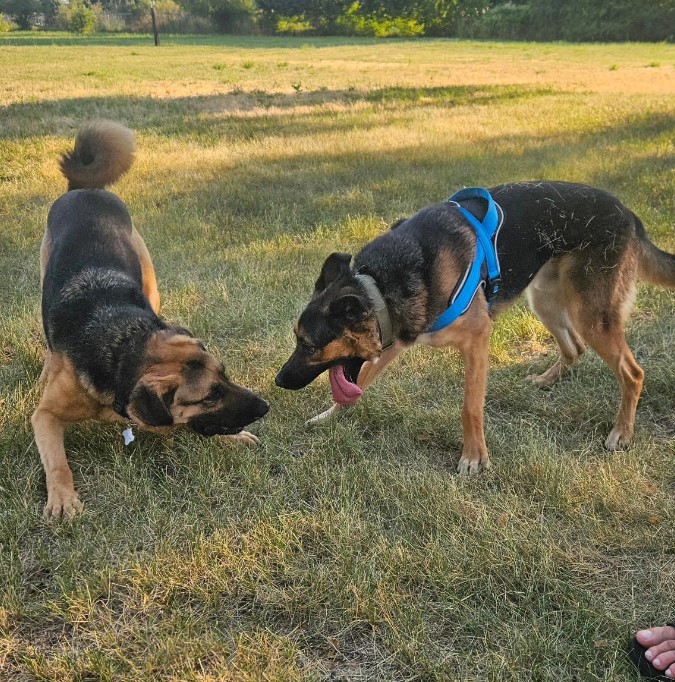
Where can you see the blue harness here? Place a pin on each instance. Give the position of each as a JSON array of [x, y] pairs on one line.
[[484, 258]]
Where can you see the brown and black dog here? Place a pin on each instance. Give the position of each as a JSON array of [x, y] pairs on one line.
[[110, 356], [576, 251]]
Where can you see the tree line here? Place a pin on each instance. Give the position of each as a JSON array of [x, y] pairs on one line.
[[574, 20]]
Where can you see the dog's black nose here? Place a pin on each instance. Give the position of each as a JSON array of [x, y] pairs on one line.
[[262, 408], [279, 380]]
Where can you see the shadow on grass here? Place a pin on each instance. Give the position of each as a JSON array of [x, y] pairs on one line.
[[294, 193], [304, 192], [238, 115]]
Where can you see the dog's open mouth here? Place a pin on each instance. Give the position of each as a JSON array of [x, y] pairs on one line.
[[343, 381]]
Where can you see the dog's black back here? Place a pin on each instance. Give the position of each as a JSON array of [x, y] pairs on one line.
[[85, 227], [542, 220], [546, 219], [92, 297]]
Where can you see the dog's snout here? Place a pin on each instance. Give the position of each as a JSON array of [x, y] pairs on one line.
[[261, 409]]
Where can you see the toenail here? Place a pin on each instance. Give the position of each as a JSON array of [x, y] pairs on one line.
[[649, 655], [656, 662], [646, 634]]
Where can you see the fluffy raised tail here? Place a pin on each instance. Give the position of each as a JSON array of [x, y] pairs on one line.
[[104, 151]]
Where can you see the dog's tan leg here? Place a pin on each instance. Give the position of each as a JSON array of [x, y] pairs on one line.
[[147, 268], [369, 371], [475, 355], [550, 297], [62, 402], [62, 500], [611, 346], [470, 335]]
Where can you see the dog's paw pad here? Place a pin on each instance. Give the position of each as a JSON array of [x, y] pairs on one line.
[[244, 438], [540, 380], [62, 505], [470, 466], [618, 440]]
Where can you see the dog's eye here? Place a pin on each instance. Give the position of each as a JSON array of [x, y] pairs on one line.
[[307, 347], [216, 393]]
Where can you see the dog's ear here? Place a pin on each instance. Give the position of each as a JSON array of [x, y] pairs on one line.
[[349, 308], [149, 408], [336, 264]]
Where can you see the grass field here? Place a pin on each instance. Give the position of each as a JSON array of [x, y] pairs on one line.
[[350, 551]]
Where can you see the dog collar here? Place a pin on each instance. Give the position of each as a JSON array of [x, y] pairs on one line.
[[380, 307], [485, 256]]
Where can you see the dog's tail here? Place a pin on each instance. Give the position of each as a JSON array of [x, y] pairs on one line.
[[656, 266], [104, 151]]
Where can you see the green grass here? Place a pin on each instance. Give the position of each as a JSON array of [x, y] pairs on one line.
[[350, 551]]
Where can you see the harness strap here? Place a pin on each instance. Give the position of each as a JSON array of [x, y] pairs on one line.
[[380, 307], [485, 254]]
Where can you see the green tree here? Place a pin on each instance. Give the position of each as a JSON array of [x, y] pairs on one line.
[[24, 10], [232, 16]]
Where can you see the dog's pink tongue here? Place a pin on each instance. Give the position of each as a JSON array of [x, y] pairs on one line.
[[344, 391]]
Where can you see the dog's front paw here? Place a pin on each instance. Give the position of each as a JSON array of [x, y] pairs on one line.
[[327, 414], [472, 461], [62, 503], [619, 438], [244, 438]]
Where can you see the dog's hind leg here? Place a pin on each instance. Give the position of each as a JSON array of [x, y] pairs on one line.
[[603, 330], [611, 346], [551, 299]]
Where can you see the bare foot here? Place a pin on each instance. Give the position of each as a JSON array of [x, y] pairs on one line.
[[660, 648]]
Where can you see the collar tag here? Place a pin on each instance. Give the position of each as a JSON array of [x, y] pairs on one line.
[[128, 436]]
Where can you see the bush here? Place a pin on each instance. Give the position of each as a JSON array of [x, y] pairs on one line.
[[354, 23], [292, 26], [76, 17], [508, 21], [83, 20], [6, 25], [109, 22]]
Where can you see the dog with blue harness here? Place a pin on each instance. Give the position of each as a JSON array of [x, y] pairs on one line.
[[441, 277]]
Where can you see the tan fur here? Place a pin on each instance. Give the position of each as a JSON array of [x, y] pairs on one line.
[[362, 344], [147, 269], [470, 335], [557, 306], [104, 151], [65, 400], [656, 266], [167, 356]]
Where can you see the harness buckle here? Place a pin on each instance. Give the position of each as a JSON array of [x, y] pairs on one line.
[[492, 287]]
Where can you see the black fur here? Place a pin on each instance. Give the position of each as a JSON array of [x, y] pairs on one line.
[[93, 306]]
